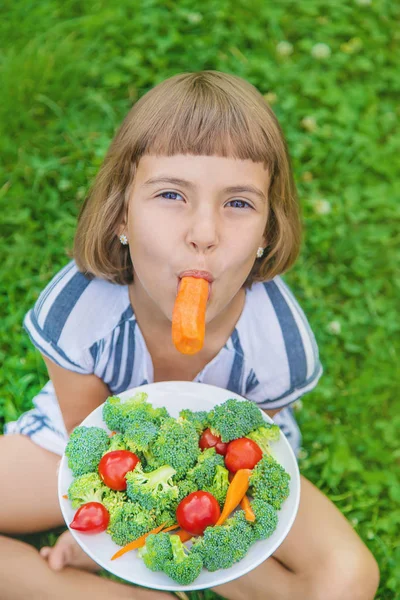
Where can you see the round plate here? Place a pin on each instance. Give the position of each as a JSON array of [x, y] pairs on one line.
[[176, 395]]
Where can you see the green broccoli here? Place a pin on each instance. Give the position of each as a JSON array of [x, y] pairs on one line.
[[154, 490], [128, 522], [219, 485], [235, 419], [269, 482], [113, 499], [166, 517], [119, 414], [140, 433], [85, 448], [223, 545], [204, 470], [117, 443], [198, 418], [156, 551], [263, 435], [185, 488], [177, 445], [185, 566], [266, 519], [86, 488]]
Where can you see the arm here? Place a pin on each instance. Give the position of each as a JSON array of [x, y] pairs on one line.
[[77, 394]]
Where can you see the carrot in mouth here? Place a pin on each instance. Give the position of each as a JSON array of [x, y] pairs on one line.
[[189, 315]]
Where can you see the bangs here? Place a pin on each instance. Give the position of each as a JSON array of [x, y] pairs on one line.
[[204, 115]]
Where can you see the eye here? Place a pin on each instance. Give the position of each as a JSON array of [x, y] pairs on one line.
[[165, 193], [242, 202]]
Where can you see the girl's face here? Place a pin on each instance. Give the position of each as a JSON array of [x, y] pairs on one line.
[[194, 221]]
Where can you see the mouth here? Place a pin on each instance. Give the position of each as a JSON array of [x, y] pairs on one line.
[[199, 274]]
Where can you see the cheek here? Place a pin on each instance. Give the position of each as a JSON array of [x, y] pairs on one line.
[[149, 236]]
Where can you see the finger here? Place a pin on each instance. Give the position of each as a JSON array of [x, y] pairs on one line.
[[45, 551], [58, 559]]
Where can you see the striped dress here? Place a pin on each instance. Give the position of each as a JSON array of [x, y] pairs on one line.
[[88, 326]]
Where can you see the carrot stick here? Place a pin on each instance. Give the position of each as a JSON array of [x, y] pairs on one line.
[[65, 496], [136, 543], [245, 504], [170, 528], [236, 490], [189, 315], [184, 536]]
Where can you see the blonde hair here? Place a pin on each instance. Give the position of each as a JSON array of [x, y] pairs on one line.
[[202, 113]]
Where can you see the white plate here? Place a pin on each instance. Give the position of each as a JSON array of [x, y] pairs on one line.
[[176, 395]]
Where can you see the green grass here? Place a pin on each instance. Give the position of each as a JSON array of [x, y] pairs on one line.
[[71, 70]]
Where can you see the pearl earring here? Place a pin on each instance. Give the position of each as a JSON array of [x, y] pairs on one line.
[[123, 239], [260, 252]]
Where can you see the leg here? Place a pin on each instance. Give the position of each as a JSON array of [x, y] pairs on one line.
[[39, 582], [29, 500], [322, 558]]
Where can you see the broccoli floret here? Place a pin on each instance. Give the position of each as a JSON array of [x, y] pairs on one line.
[[85, 448], [166, 517], [204, 470], [235, 419], [264, 435], [86, 488], [185, 566], [156, 551], [154, 490], [185, 488], [266, 519], [113, 499], [117, 443], [128, 522], [198, 418], [140, 433], [269, 482], [119, 414], [177, 445], [219, 485], [223, 545]]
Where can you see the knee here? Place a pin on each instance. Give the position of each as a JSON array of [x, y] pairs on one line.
[[348, 576]]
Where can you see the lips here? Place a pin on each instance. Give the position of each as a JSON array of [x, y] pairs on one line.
[[200, 274]]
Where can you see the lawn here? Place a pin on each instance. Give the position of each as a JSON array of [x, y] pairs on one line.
[[71, 70]]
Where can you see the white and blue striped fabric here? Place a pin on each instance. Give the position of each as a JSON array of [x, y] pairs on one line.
[[88, 326]]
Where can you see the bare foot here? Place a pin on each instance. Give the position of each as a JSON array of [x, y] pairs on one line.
[[66, 552]]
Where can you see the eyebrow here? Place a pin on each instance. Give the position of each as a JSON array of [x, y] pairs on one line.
[[233, 189]]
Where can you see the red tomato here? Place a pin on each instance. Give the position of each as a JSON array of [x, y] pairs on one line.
[[209, 440], [113, 467], [91, 517], [198, 511], [242, 453]]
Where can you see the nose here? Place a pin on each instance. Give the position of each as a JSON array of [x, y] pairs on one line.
[[203, 231]]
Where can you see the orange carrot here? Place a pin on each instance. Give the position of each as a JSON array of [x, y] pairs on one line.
[[184, 536], [236, 490], [112, 434], [189, 315], [245, 504], [170, 528], [136, 543], [65, 496]]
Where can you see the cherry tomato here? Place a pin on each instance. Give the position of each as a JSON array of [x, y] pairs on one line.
[[209, 440], [242, 453], [113, 467], [198, 511], [91, 517]]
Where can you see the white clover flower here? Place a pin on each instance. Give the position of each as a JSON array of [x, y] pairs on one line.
[[297, 405], [271, 97], [370, 535], [284, 48], [322, 207], [309, 123], [321, 51], [335, 327], [194, 17], [302, 453]]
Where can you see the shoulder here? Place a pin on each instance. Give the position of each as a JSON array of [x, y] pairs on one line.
[[279, 344], [73, 312]]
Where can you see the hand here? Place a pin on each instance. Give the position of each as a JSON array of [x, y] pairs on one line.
[[66, 552]]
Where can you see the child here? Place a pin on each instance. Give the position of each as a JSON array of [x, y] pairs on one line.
[[197, 178]]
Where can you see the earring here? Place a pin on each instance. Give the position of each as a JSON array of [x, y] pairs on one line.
[[260, 252], [123, 239]]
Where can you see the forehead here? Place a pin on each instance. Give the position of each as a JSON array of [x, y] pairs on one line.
[[201, 169]]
